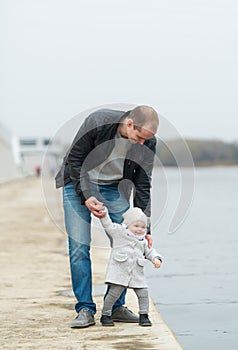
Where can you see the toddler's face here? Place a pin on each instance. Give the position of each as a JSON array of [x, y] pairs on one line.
[[137, 227]]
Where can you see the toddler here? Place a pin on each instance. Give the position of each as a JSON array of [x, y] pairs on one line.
[[127, 260]]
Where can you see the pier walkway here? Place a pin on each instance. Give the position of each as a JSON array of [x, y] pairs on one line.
[[36, 302]]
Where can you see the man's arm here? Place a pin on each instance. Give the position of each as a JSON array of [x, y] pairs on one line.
[[143, 177], [81, 147]]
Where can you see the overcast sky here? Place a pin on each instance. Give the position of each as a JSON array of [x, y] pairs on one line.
[[59, 58]]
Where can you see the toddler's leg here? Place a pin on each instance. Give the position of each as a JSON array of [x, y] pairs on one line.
[[143, 299], [112, 295]]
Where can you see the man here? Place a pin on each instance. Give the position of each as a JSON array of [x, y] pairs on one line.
[[110, 158]]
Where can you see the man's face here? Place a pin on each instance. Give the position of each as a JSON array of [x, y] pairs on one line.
[[138, 136]]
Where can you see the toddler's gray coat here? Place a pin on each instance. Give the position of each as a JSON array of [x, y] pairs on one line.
[[127, 259]]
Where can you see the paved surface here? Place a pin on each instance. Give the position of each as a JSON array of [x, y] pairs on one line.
[[36, 305]]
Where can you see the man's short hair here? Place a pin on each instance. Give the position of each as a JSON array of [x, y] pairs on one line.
[[144, 116]]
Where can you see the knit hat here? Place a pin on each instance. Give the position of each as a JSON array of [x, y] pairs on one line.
[[134, 214]]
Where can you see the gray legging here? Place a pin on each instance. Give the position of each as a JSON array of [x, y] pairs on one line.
[[114, 293]]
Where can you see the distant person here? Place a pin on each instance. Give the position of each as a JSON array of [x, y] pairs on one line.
[[126, 265], [111, 155], [38, 170]]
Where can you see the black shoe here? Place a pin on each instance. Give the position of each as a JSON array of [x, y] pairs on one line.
[[144, 320], [84, 319], [106, 320], [122, 314]]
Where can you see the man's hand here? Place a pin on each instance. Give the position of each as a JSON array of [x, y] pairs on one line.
[[149, 239], [95, 207]]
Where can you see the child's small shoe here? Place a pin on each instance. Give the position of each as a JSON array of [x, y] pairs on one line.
[[144, 320], [106, 320]]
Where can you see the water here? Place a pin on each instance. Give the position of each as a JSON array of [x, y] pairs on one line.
[[196, 290]]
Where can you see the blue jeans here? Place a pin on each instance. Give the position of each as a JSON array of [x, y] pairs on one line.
[[78, 227]]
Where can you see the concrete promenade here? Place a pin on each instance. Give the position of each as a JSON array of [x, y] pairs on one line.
[[36, 307]]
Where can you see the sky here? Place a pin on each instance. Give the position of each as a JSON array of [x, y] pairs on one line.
[[59, 58]]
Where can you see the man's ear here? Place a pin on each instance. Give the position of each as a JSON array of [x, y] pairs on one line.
[[129, 122]]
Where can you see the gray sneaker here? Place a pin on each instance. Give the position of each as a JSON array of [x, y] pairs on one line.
[[83, 319], [123, 314]]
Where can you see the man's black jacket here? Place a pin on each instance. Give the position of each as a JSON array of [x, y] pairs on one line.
[[93, 144]]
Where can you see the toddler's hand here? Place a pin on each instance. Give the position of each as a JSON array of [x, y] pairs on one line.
[[157, 263], [103, 211], [94, 206], [100, 208]]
